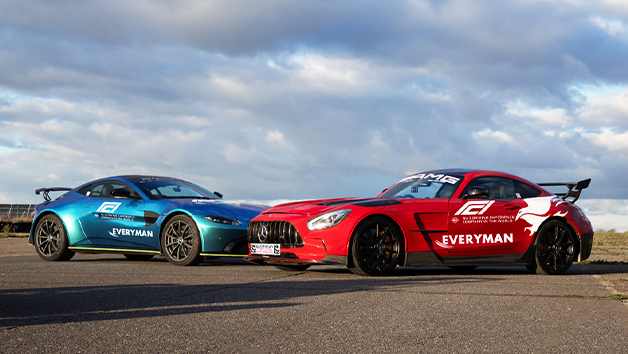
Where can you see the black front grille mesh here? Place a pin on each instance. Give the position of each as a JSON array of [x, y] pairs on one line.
[[281, 232]]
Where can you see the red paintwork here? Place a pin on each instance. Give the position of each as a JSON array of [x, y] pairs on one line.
[[513, 221]]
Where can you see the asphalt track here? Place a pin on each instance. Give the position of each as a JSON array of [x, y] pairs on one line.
[[105, 303]]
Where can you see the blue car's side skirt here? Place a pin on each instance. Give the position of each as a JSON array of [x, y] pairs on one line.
[[117, 250]]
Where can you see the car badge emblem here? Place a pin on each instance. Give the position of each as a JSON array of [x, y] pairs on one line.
[[262, 234]]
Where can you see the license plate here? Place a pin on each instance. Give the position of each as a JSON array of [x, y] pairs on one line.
[[273, 249]]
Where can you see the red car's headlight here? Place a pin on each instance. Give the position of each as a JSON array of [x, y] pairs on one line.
[[326, 220]]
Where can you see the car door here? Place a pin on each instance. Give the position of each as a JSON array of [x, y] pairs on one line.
[[484, 226], [116, 223]]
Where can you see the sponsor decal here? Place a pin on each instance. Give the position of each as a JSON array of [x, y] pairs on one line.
[[539, 210], [449, 241], [104, 216], [208, 201], [438, 178], [472, 212], [157, 178], [108, 207], [130, 232], [266, 248], [476, 207], [488, 219]]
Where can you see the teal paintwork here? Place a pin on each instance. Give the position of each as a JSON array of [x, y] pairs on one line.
[[135, 223]]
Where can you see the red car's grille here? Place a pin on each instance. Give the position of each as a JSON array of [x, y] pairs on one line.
[[281, 232]]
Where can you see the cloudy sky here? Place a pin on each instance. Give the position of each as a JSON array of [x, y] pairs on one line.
[[281, 99]]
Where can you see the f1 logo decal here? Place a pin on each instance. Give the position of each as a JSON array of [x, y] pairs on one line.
[[108, 207], [475, 207]]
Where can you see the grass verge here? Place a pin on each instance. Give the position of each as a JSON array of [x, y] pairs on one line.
[[14, 227]]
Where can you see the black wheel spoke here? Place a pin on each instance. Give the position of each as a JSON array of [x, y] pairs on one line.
[[554, 248], [376, 248], [561, 235], [560, 260]]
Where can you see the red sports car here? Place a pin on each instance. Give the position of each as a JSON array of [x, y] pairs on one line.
[[456, 218]]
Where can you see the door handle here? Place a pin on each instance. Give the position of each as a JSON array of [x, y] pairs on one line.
[[511, 207]]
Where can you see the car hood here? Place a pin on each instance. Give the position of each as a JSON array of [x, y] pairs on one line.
[[313, 207], [241, 211]]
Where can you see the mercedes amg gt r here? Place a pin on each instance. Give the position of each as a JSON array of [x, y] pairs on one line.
[[140, 217], [456, 218]]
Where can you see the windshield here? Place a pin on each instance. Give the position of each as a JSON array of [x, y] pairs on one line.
[[424, 185], [170, 188]]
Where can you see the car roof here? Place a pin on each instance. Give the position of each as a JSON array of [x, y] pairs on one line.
[[456, 171], [472, 173], [143, 176]]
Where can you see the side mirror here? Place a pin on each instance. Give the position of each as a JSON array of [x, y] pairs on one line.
[[218, 194], [121, 193], [476, 192]]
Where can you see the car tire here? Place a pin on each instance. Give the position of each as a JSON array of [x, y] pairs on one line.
[[292, 268], [375, 247], [554, 248], [181, 242], [51, 239], [139, 257]]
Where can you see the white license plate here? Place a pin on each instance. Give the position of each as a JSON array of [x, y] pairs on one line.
[[273, 249]]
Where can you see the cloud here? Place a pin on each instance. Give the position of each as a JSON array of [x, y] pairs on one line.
[[606, 213], [614, 28], [310, 99], [616, 143]]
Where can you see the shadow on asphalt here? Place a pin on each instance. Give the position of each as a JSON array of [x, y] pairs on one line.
[[19, 307], [576, 268], [36, 306]]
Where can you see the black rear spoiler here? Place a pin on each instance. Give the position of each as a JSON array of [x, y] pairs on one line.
[[574, 189], [45, 191]]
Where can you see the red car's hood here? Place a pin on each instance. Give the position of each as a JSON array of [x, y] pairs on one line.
[[312, 207]]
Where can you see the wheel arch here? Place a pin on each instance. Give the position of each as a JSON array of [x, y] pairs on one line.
[[569, 225], [172, 215], [31, 236], [391, 220]]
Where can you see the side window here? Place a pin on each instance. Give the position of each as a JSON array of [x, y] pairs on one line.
[[498, 187], [524, 190], [103, 189], [96, 190]]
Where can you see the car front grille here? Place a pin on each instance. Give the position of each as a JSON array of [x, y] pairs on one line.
[[281, 232]]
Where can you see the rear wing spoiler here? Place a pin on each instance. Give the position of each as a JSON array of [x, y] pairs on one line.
[[45, 191], [574, 189]]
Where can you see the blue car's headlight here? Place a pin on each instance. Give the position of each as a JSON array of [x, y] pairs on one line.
[[326, 220], [222, 220]]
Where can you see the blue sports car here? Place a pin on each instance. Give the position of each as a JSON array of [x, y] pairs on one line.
[[140, 217]]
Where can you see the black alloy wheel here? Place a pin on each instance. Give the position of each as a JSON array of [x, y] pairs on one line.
[[375, 247], [181, 243], [554, 248], [51, 240]]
